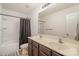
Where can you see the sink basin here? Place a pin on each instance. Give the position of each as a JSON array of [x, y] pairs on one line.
[[64, 44], [67, 48]]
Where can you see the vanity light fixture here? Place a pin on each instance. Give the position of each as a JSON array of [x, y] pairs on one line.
[[45, 5]]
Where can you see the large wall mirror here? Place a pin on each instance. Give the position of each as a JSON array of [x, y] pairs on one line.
[[64, 22]]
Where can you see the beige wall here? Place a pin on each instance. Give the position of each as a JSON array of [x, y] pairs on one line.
[[34, 15]]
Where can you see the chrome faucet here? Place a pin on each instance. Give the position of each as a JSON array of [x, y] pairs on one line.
[[60, 40], [40, 36]]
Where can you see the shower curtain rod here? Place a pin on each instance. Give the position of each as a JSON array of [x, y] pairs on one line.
[[14, 16]]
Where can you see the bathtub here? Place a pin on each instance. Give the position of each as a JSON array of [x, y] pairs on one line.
[[9, 48]]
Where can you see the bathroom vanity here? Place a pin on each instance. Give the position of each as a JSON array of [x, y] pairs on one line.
[[37, 49], [49, 46]]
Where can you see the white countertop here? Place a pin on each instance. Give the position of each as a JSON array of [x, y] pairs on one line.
[[69, 47]]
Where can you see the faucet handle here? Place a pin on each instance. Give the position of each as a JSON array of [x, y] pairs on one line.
[[67, 34]]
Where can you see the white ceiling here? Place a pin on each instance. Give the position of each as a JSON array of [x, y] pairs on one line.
[[21, 7]]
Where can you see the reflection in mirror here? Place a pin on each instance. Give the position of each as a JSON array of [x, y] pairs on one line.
[[61, 22], [77, 32]]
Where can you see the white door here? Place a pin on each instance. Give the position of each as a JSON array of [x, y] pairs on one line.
[[10, 29]]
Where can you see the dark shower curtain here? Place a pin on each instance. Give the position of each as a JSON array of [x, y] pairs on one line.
[[25, 31]]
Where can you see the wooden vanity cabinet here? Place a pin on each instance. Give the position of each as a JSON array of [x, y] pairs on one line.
[[30, 47], [42, 53], [54, 53], [43, 50], [36, 49]]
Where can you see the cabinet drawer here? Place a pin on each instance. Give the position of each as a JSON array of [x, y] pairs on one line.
[[46, 50], [56, 54], [35, 44], [35, 51], [41, 53], [29, 41]]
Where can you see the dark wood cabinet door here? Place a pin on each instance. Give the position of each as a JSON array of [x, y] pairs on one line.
[[35, 44], [45, 49], [35, 51], [30, 49], [56, 54], [42, 53]]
